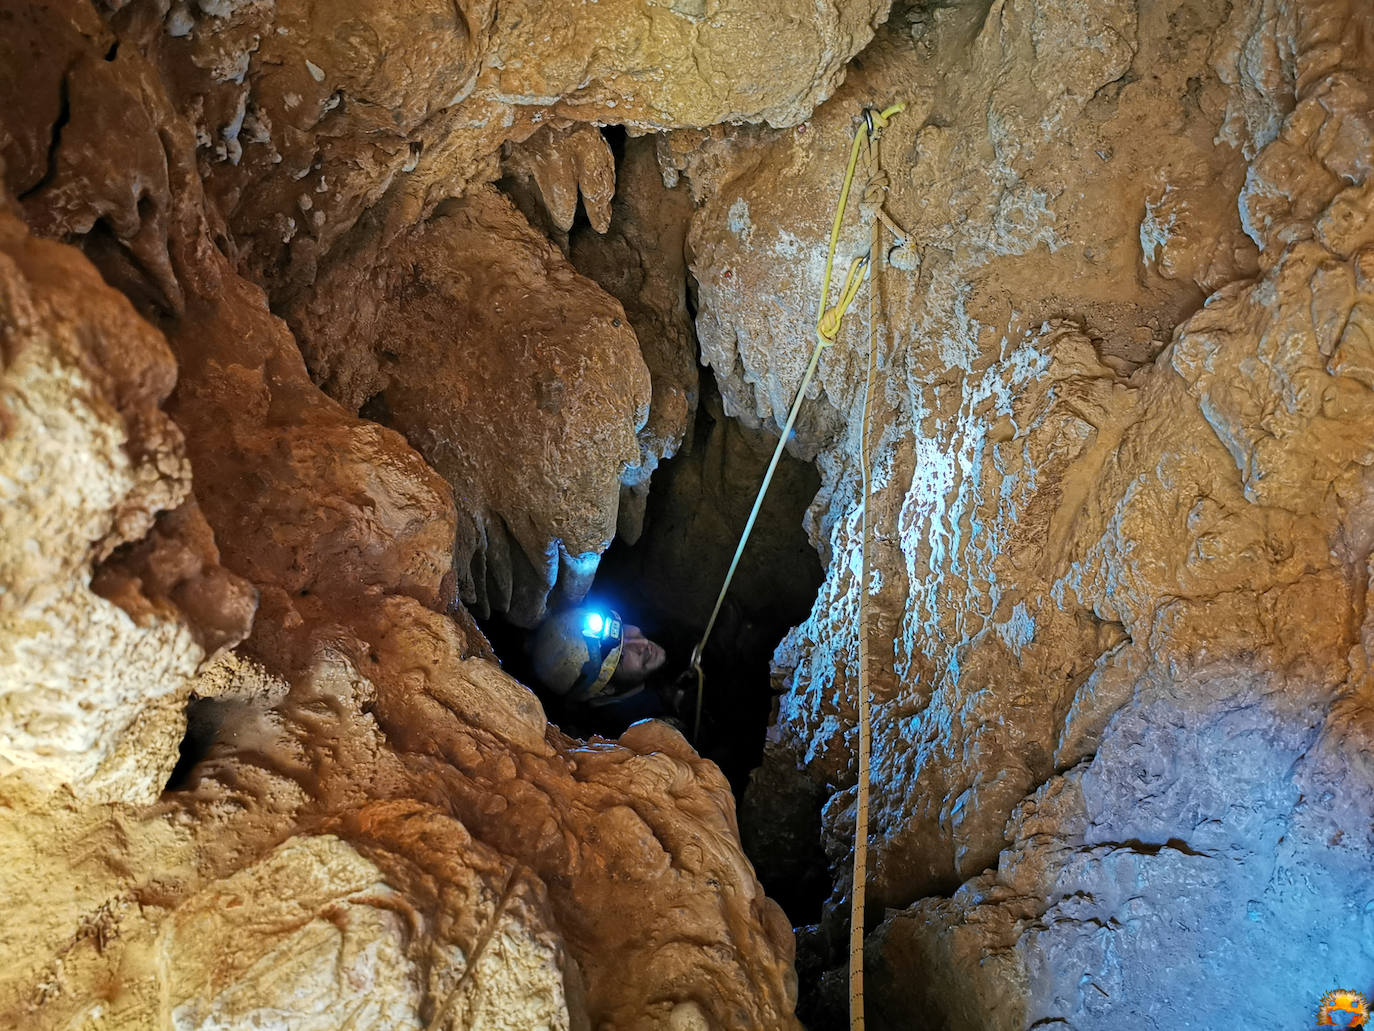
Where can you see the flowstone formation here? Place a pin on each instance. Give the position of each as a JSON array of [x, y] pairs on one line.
[[1122, 504], [372, 825]]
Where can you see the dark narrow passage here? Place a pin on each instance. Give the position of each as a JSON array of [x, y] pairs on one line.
[[668, 580], [664, 576]]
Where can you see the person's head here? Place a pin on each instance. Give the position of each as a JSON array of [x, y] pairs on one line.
[[579, 651], [639, 657]]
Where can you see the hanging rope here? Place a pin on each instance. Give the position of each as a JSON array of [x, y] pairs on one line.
[[827, 327], [873, 199]]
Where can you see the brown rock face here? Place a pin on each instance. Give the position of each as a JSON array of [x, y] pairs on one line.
[[383, 830], [436, 333], [107, 607], [666, 65], [307, 497], [639, 258], [432, 750], [285, 381], [1121, 497], [565, 163], [309, 115]]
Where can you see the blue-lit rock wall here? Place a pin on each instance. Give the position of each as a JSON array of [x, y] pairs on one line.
[[1123, 431]]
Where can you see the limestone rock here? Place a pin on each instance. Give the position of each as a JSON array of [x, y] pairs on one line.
[[1084, 534], [448, 860], [244, 399], [302, 494], [1120, 601], [416, 720], [382, 827], [1097, 877], [313, 930], [564, 163], [335, 944], [639, 258], [663, 65], [307, 116], [92, 676], [480, 314], [73, 83]]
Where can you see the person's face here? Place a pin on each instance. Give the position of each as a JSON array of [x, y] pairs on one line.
[[639, 657]]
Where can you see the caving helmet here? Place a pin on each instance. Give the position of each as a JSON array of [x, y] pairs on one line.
[[575, 652]]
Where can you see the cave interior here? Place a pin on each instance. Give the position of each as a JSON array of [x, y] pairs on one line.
[[342, 347]]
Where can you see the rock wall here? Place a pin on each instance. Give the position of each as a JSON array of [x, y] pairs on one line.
[[1122, 502], [374, 826], [378, 331]]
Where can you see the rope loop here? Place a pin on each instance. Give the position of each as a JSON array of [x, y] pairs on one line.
[[829, 325]]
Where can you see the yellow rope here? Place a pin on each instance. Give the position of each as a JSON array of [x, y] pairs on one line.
[[700, 649], [827, 327], [859, 876]]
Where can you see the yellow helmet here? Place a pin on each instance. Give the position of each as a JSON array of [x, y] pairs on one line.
[[575, 652]]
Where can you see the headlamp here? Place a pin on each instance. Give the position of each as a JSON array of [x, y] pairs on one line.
[[599, 627]]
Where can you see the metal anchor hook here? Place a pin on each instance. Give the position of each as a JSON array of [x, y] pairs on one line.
[[875, 122]]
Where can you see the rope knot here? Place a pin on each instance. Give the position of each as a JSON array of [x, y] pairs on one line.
[[828, 326]]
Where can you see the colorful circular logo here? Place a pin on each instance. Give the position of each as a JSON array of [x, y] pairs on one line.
[[1343, 1008]]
